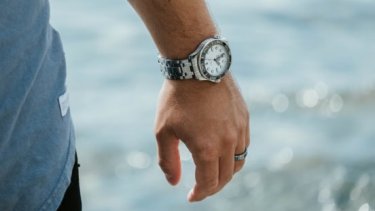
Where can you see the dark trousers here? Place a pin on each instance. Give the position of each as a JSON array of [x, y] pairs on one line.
[[72, 197]]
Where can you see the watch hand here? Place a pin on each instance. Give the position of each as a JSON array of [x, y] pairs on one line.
[[221, 56], [217, 61]]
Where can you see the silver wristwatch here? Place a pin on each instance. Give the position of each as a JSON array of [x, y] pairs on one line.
[[210, 61]]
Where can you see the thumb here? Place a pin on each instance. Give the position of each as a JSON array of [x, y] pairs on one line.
[[169, 156]]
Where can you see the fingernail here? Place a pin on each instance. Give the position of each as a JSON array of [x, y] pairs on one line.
[[168, 177], [190, 195]]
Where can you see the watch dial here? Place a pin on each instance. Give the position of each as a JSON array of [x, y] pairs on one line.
[[216, 59]]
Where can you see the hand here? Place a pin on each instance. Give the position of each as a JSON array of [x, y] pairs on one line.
[[213, 122]]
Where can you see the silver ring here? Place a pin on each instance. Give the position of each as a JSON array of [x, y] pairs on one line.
[[242, 156]]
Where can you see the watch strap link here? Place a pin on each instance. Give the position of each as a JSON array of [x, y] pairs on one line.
[[176, 69]]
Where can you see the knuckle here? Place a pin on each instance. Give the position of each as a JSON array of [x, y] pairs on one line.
[[230, 136], [230, 139], [229, 145], [212, 185], [158, 134], [207, 152], [207, 156]]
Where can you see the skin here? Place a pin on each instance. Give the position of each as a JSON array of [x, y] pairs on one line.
[[211, 119]]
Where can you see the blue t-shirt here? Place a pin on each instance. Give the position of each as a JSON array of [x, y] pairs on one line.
[[36, 133]]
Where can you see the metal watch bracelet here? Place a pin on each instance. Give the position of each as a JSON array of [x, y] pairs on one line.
[[176, 69]]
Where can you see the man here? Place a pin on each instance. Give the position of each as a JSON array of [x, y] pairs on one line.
[[199, 104]]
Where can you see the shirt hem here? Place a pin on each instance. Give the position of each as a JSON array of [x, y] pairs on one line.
[[56, 197]]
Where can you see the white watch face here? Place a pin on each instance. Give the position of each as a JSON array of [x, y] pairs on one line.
[[215, 59]]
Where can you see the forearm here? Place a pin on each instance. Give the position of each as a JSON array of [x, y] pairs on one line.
[[177, 26]]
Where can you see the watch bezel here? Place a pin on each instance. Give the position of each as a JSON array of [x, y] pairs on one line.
[[201, 59]]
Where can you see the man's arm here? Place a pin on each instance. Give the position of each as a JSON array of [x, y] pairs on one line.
[[211, 119], [176, 26]]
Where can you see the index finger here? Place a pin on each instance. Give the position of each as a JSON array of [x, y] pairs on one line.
[[206, 176]]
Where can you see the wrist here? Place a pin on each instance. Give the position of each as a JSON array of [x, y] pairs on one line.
[[210, 61], [180, 45]]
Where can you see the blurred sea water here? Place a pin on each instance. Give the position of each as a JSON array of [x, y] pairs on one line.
[[306, 69]]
